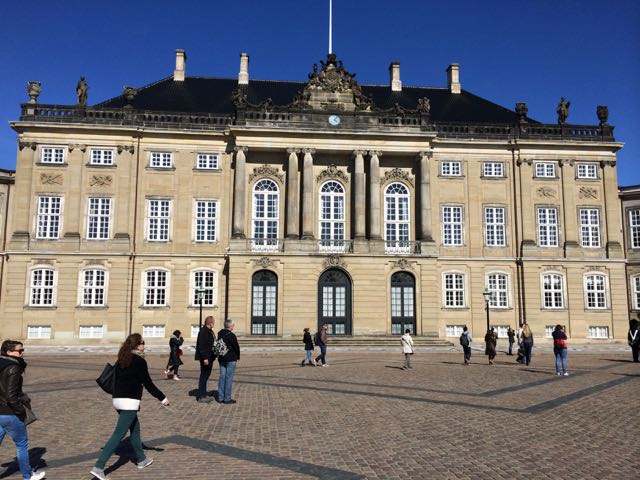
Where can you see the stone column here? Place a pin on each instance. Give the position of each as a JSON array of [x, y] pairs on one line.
[[239, 193], [307, 194], [374, 195], [360, 207], [425, 198], [293, 202]]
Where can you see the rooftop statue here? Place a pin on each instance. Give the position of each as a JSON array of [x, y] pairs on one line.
[[563, 111], [82, 91], [424, 106], [33, 90]]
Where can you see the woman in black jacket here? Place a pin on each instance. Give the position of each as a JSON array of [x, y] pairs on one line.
[[175, 342], [132, 373], [308, 349], [227, 362]]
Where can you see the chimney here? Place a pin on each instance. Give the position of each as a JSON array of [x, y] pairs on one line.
[[181, 62], [394, 77], [243, 74], [453, 77]]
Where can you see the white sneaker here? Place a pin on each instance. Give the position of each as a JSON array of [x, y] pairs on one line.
[[325, 364], [98, 473], [176, 378], [40, 475], [145, 463], [566, 374]]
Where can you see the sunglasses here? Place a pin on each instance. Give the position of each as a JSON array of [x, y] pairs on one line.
[[20, 350], [142, 343]]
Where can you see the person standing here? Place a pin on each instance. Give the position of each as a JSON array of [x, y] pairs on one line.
[[308, 348], [12, 405], [512, 339], [527, 343], [465, 341], [560, 350], [491, 341], [227, 362], [175, 342], [204, 354], [132, 373], [407, 348], [633, 338], [321, 341]]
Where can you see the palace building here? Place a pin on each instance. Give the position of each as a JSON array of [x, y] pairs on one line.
[[287, 204]]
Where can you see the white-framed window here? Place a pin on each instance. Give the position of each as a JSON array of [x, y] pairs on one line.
[[153, 331], [204, 279], [590, 227], [42, 287], [194, 330], [161, 159], [451, 168], [494, 226], [49, 217], [98, 218], [451, 225], [498, 285], [635, 288], [91, 331], [207, 161], [598, 332], [548, 331], [266, 214], [52, 155], [101, 156], [552, 290], [397, 218], [588, 170], [454, 290], [158, 219], [547, 227], [545, 169], [634, 228], [453, 330], [493, 169], [155, 288], [501, 330], [38, 331], [94, 287], [206, 220], [332, 216], [595, 291]]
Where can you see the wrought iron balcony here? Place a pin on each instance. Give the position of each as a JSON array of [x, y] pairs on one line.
[[401, 247], [269, 245], [335, 246]]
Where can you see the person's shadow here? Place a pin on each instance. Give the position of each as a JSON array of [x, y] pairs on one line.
[[210, 393], [35, 459], [125, 452]]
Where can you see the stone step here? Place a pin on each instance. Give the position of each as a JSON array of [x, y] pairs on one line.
[[343, 342]]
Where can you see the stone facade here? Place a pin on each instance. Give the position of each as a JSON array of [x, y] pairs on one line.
[[630, 199]]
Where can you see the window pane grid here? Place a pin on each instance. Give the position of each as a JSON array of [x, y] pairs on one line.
[[452, 225], [161, 159], [99, 218], [203, 279], [52, 155], [207, 161], [587, 170], [48, 218], [553, 291], [545, 170], [634, 224], [155, 288], [547, 227], [265, 210], [493, 169], [205, 221], [93, 289], [494, 226], [590, 227], [454, 290], [159, 214], [101, 157], [450, 169], [42, 287], [498, 286], [596, 291]]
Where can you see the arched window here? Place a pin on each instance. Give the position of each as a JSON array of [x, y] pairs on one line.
[[498, 285], [334, 302], [403, 311], [94, 287], [595, 291], [264, 303], [265, 215], [396, 219], [332, 217]]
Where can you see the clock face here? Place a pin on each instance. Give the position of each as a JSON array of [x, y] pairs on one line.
[[334, 120]]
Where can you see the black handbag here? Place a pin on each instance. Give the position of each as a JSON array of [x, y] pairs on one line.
[[107, 379], [29, 416]]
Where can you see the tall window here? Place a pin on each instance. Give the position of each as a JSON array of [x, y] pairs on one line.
[[545, 170], [552, 291], [635, 285], [590, 227], [454, 290], [265, 215], [48, 217], [450, 169], [634, 226], [161, 160], [207, 161], [498, 285], [93, 288], [587, 170], [595, 291], [547, 227], [332, 217], [101, 156], [494, 227], [42, 287], [264, 303], [403, 312], [158, 216], [451, 225], [99, 218], [155, 288], [493, 169], [396, 217], [205, 221], [52, 155], [204, 279]]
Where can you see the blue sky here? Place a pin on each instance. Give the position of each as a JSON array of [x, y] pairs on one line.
[[509, 51]]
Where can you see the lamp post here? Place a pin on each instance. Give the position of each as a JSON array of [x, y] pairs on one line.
[[200, 291], [487, 296]]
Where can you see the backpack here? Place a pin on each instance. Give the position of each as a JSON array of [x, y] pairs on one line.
[[464, 340], [317, 339]]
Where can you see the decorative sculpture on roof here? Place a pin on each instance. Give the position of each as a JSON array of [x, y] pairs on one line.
[[239, 98], [82, 91], [129, 93], [522, 110], [424, 106], [603, 114], [33, 90], [301, 100], [563, 111]]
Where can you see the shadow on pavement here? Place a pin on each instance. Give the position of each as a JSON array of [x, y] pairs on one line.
[[35, 458]]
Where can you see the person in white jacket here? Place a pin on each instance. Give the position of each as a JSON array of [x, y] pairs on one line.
[[407, 348]]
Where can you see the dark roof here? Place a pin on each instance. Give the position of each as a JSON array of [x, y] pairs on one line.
[[213, 95]]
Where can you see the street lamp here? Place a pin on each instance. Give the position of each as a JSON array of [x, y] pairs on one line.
[[487, 296], [200, 291]]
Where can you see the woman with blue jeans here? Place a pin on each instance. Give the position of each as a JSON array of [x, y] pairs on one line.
[[560, 350], [227, 362], [12, 400]]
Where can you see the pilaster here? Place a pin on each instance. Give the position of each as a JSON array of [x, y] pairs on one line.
[[239, 193], [307, 194], [374, 195], [293, 200]]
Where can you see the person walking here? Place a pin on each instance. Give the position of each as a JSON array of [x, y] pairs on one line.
[[321, 341], [491, 341], [204, 354], [465, 341], [527, 343], [12, 405], [132, 373], [633, 337], [175, 342], [512, 339], [308, 349], [407, 348], [227, 362], [560, 350]]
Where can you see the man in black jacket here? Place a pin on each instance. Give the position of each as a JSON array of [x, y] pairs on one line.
[[204, 354]]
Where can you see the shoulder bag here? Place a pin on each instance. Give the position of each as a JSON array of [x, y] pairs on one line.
[[107, 379]]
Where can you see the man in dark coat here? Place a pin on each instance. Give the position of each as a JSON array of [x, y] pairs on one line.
[[204, 354]]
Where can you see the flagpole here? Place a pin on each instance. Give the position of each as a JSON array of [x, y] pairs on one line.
[[330, 24]]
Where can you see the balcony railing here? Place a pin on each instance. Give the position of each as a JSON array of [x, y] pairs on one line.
[[266, 244], [401, 247], [335, 246]]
